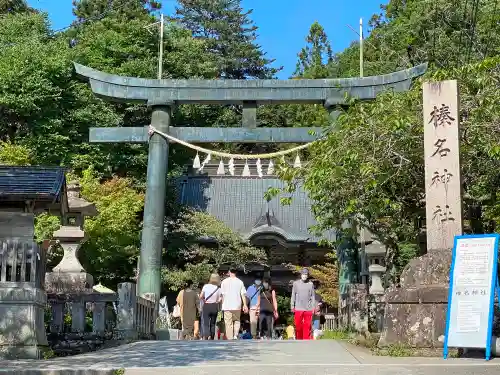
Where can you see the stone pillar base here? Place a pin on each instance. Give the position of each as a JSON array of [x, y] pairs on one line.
[[68, 282], [24, 352], [126, 334], [22, 331], [415, 311]]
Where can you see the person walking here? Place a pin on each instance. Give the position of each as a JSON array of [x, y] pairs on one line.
[[233, 297], [199, 320], [189, 304], [210, 296], [303, 305], [253, 296], [316, 320], [268, 309]]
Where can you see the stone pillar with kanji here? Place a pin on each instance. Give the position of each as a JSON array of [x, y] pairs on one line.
[[443, 186], [415, 311]]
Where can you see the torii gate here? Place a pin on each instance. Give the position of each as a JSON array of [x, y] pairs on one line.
[[162, 95]]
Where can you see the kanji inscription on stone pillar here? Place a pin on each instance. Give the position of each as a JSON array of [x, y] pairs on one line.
[[443, 187]]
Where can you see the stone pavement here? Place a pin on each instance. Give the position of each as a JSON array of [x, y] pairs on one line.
[[322, 357]]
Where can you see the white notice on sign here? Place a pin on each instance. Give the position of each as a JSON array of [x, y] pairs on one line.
[[468, 316], [469, 319], [472, 263]]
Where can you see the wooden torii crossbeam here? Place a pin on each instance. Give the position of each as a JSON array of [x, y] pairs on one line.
[[163, 94]]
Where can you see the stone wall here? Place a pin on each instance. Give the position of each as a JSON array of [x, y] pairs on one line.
[[415, 311]]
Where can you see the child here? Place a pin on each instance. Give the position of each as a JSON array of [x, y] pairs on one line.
[[290, 332]]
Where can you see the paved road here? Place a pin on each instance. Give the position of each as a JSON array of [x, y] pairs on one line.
[[245, 357]]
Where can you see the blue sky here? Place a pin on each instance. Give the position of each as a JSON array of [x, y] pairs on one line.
[[283, 24]]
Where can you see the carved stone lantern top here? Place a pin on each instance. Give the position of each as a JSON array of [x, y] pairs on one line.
[[78, 208], [375, 249], [77, 204]]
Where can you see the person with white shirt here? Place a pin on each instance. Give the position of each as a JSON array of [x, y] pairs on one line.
[[211, 296], [233, 297]]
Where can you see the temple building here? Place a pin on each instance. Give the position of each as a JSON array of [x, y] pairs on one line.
[[240, 203]]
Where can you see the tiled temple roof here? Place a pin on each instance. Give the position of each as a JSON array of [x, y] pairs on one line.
[[31, 183], [239, 202]]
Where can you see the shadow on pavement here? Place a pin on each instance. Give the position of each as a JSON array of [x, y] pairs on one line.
[[151, 354]]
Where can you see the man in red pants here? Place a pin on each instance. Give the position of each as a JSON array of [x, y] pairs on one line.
[[303, 305]]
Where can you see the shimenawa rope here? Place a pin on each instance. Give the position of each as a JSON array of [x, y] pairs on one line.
[[272, 155]]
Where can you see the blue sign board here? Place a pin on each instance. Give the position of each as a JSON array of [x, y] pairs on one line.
[[471, 296]]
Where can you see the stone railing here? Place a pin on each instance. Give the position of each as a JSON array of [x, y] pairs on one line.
[[146, 316], [136, 314], [88, 321], [330, 323], [22, 299], [80, 322], [360, 310], [33, 321]]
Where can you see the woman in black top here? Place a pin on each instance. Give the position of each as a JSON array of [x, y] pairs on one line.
[[268, 309]]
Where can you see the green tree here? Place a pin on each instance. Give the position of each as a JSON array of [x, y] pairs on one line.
[[316, 57], [110, 253], [11, 154], [45, 108], [373, 171], [445, 33], [14, 6], [199, 244], [91, 10], [231, 36]]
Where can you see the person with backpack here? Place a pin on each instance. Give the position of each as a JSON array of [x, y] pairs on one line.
[[253, 296], [211, 297]]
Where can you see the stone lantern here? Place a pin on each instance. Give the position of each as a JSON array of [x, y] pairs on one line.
[[365, 237], [375, 253], [69, 275]]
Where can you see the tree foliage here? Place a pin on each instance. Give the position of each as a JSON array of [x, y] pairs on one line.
[[11, 154], [369, 169], [14, 6], [446, 33], [230, 34], [92, 10], [199, 244], [316, 57], [110, 253]]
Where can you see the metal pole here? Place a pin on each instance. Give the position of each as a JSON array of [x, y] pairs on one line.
[[160, 55], [361, 47]]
